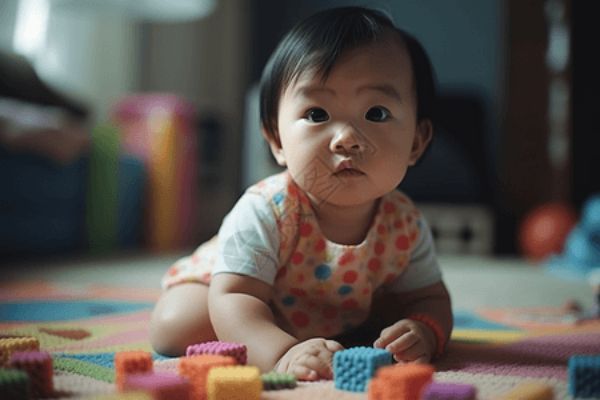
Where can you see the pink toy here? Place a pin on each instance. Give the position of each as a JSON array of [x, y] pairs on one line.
[[449, 391], [161, 385], [235, 350]]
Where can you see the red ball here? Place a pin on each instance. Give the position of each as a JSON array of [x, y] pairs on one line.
[[544, 230]]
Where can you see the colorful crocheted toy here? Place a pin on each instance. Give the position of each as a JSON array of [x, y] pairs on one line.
[[400, 381], [354, 367], [234, 383], [38, 366], [449, 391], [277, 381], [235, 350], [131, 362], [14, 384], [161, 385], [11, 344], [195, 369], [584, 376]]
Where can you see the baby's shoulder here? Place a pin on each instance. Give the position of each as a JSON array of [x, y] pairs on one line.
[[279, 191]]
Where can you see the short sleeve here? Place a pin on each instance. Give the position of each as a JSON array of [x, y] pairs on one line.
[[423, 269], [248, 241]]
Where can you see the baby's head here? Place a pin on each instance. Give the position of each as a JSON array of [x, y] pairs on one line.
[[317, 42]]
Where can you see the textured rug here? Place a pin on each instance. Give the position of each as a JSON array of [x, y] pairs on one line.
[[83, 327]]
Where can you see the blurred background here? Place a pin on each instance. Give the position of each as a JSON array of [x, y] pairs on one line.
[[133, 125]]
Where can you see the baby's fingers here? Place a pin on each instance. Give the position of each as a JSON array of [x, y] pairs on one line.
[[403, 343], [304, 373]]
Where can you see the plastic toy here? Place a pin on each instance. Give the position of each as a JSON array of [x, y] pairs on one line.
[[400, 381], [530, 390], [14, 384], [38, 366], [12, 344], [235, 350], [584, 376], [449, 391], [161, 385], [195, 369], [131, 362], [544, 230], [278, 381], [354, 367], [234, 383]]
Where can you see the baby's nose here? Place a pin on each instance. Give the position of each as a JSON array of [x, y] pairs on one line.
[[347, 139]]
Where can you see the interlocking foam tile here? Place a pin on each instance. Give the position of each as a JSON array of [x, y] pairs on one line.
[[161, 385], [38, 366], [196, 369], [400, 381], [530, 390], [235, 350], [277, 381], [8, 345], [354, 367], [14, 384], [449, 391], [234, 383], [584, 375]]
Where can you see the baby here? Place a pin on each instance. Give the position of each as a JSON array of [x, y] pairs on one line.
[[328, 253]]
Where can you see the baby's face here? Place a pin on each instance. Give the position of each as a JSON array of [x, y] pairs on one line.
[[350, 139]]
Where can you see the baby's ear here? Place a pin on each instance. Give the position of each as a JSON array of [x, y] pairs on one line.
[[272, 139], [422, 138]]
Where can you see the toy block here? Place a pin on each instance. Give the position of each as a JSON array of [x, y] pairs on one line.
[[160, 385], [354, 367], [38, 366], [530, 390], [14, 384], [8, 345], [235, 350], [400, 381], [584, 375], [195, 369], [234, 383], [277, 381], [131, 362], [449, 391]]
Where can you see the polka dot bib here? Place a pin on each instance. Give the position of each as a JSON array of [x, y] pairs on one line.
[[324, 288]]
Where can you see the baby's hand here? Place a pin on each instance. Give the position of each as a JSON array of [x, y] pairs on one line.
[[408, 341], [309, 360]]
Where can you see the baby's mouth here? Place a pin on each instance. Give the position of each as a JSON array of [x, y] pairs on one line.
[[346, 169]]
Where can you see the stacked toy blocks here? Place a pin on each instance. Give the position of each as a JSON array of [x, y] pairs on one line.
[[530, 390], [449, 391], [277, 381], [11, 344], [400, 381], [235, 350], [129, 363], [584, 376], [353, 368], [161, 386], [14, 384], [38, 366], [196, 368], [234, 383]]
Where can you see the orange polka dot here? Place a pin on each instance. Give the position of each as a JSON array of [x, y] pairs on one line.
[[320, 246], [381, 229], [350, 276], [330, 312], [292, 189], [300, 319], [402, 242], [379, 248], [350, 304], [297, 258], [389, 207], [306, 229], [346, 258], [298, 292], [173, 271], [374, 264]]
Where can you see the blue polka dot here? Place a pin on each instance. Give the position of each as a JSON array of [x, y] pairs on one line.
[[288, 300], [278, 198], [345, 289], [323, 272]]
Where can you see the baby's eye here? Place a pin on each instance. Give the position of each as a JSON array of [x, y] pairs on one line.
[[317, 115], [377, 114]]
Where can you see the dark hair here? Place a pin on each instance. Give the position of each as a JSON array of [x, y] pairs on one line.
[[318, 41]]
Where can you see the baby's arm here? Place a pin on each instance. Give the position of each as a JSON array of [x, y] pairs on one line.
[[240, 313], [423, 328]]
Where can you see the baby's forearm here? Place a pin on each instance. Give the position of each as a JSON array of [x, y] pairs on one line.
[[242, 318]]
